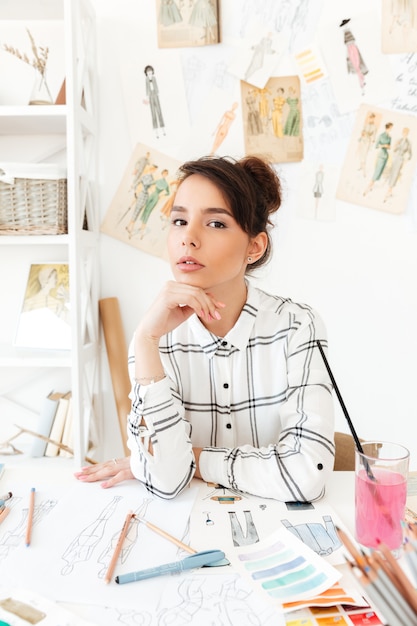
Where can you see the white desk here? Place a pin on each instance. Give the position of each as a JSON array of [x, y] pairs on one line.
[[230, 600]]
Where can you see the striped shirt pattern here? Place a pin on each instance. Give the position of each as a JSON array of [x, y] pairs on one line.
[[259, 401]]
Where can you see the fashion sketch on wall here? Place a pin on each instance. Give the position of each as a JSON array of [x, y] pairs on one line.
[[351, 49], [399, 26], [139, 213], [258, 54], [272, 119], [380, 160], [182, 23]]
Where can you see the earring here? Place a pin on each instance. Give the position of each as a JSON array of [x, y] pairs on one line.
[[249, 259]]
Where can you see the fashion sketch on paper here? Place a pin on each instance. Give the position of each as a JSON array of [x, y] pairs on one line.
[[160, 187], [152, 94], [365, 141], [203, 16], [355, 63], [383, 144], [404, 15], [169, 13], [318, 188], [253, 118], [263, 47], [402, 152], [141, 195], [223, 127], [292, 123], [277, 112]]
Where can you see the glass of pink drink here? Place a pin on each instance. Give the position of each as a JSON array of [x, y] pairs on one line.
[[381, 471]]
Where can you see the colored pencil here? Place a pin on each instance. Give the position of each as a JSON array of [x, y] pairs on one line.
[[118, 547], [31, 510], [163, 533], [4, 513]]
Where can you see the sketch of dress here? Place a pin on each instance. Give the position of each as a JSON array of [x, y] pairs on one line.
[[403, 14], [203, 16], [254, 120], [354, 60], [146, 182], [365, 141], [263, 47], [128, 543], [402, 151], [383, 143], [152, 93], [169, 13], [292, 123], [161, 186], [84, 544], [140, 165], [278, 105]]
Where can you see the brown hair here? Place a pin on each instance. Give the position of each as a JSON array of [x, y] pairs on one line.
[[251, 188]]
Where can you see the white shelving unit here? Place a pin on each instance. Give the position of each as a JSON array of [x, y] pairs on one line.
[[76, 122]]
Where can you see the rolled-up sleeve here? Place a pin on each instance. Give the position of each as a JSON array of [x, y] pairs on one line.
[[156, 419]]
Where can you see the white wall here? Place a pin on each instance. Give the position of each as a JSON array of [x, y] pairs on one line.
[[359, 270]]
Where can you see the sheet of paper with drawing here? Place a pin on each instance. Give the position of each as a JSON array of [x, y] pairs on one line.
[[74, 537], [229, 521], [222, 519]]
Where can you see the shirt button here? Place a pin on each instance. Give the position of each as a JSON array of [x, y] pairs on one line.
[[228, 426], [226, 385], [224, 343]]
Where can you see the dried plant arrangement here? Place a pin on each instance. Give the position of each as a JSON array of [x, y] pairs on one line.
[[38, 62]]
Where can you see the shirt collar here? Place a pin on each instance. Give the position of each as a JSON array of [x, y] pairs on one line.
[[238, 336]]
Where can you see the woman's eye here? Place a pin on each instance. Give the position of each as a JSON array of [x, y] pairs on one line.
[[217, 224], [178, 222]]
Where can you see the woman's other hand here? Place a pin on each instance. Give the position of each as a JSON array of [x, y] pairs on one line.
[[110, 472]]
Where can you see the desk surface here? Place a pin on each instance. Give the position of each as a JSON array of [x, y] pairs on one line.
[[59, 472]]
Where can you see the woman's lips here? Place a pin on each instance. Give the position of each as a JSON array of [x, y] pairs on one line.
[[189, 264]]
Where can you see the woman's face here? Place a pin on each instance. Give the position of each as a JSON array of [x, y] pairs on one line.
[[207, 247]]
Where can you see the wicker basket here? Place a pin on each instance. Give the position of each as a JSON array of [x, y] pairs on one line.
[[33, 199]]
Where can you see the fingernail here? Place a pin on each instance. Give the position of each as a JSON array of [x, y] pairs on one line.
[[217, 315]]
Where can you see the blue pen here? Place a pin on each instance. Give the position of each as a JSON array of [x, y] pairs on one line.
[[199, 559]]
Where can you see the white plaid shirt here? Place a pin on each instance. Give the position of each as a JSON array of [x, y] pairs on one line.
[[259, 401]]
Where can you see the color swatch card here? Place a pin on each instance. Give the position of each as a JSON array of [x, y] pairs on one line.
[[283, 568]]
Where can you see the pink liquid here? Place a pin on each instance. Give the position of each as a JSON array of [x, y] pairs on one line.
[[379, 508]]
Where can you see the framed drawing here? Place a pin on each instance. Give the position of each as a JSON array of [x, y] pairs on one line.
[[140, 210], [187, 23], [380, 160], [44, 321], [399, 26], [272, 119]]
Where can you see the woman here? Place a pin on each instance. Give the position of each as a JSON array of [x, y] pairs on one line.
[[227, 382]]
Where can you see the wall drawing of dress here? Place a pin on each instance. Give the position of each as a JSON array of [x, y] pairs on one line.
[[355, 63]]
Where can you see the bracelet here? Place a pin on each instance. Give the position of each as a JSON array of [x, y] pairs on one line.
[[150, 379]]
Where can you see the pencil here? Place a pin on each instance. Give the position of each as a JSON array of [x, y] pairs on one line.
[[4, 513], [118, 547], [163, 533], [378, 601], [30, 516], [402, 581], [353, 550], [398, 603]]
